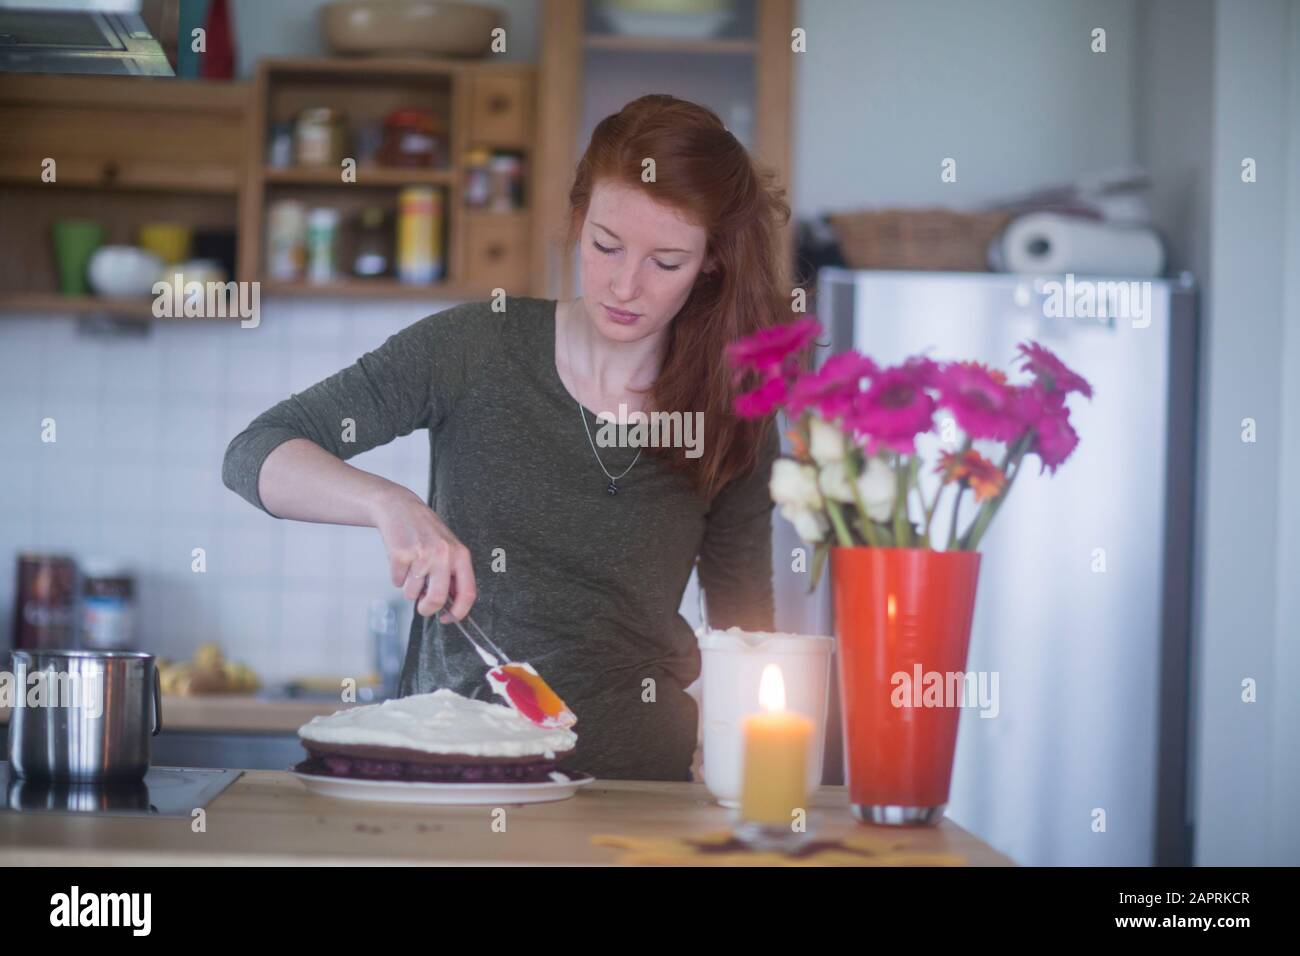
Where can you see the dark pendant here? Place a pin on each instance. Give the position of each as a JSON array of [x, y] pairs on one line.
[[612, 489]]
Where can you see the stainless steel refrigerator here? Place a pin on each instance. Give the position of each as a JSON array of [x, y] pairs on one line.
[[1083, 605]]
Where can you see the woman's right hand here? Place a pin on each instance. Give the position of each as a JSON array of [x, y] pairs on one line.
[[421, 548]]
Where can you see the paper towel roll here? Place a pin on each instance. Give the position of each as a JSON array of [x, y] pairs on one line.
[[1044, 242]]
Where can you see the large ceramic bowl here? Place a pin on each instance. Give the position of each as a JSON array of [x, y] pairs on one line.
[[123, 271], [404, 27]]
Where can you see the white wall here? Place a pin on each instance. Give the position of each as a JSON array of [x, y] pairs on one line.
[[1220, 81], [1247, 773], [1173, 123], [1285, 759], [1010, 89]]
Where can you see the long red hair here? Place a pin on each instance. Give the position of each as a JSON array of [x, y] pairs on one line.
[[705, 174]]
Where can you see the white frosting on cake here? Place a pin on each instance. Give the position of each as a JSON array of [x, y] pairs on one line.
[[443, 722]]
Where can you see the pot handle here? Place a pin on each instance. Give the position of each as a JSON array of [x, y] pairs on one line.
[[157, 702]]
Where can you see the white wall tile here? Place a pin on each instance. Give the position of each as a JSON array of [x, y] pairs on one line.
[[65, 484], [129, 428], [249, 623], [76, 420], [17, 486], [131, 489], [311, 554], [192, 430], [131, 366], [21, 354], [20, 423], [309, 621], [250, 548], [73, 368], [135, 476], [193, 360], [187, 490], [63, 534], [255, 368], [364, 559], [308, 365], [127, 540]]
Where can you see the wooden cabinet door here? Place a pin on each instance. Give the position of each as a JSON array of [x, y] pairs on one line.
[[500, 111]]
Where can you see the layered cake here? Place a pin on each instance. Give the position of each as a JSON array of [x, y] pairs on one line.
[[440, 737]]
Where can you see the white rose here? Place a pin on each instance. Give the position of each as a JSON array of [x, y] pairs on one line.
[[834, 481], [794, 483], [878, 488], [810, 525], [825, 441]]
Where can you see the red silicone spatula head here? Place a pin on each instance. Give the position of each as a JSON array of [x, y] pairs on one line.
[[524, 689]]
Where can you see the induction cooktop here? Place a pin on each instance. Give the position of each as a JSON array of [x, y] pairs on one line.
[[162, 792]]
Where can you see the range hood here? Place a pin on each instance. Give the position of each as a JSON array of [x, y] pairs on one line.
[[79, 36]]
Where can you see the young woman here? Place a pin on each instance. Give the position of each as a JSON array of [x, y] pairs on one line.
[[573, 555]]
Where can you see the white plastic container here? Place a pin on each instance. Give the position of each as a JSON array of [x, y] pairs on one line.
[[286, 240], [322, 239], [732, 663]]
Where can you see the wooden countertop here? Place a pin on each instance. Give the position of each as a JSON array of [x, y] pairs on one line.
[[236, 713], [268, 817]]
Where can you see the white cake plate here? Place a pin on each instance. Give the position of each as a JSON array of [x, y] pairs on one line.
[[463, 794]]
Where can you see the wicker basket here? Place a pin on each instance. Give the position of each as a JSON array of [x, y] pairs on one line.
[[925, 239]]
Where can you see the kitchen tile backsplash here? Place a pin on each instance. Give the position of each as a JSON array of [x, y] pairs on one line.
[[135, 476]]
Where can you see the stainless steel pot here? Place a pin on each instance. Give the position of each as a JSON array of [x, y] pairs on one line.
[[93, 725]]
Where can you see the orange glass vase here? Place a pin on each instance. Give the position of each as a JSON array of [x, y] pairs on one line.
[[900, 614]]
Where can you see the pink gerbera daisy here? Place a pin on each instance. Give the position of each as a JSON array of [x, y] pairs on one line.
[[831, 388], [763, 400], [980, 401], [1053, 374], [767, 350], [896, 408], [1054, 439]]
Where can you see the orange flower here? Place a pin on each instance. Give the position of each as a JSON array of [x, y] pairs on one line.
[[798, 446], [984, 477]]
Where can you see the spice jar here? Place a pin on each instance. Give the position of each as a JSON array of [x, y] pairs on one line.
[[279, 152], [107, 607], [372, 255], [322, 237], [319, 137], [477, 183], [45, 602], [506, 182], [419, 234], [413, 138], [286, 239]]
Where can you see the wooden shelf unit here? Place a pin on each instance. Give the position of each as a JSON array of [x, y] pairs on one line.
[[126, 150], [483, 104], [631, 44]]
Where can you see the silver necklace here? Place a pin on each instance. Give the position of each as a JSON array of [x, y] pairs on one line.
[[612, 487]]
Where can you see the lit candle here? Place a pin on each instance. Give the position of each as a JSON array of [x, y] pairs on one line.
[[776, 756]]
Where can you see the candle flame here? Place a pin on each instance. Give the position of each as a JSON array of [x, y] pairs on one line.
[[771, 689]]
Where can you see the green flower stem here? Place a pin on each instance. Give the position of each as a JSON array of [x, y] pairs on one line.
[[956, 509], [837, 519], [943, 483], [991, 508], [866, 524], [1011, 460], [911, 482], [900, 500]]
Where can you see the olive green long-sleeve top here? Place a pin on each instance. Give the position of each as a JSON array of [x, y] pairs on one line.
[[584, 585]]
